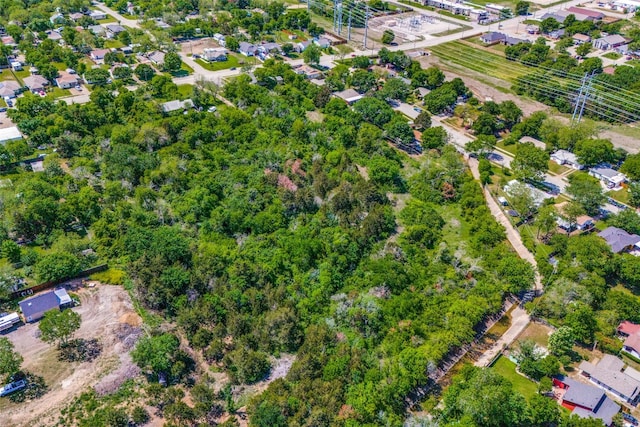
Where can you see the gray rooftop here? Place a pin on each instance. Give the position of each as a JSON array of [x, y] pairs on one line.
[[176, 105], [39, 303], [609, 371], [618, 239], [582, 394]]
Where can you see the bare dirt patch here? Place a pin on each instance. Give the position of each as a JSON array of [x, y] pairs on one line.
[[198, 46], [101, 309]]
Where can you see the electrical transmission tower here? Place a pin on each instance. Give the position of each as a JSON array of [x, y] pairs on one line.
[[583, 97]]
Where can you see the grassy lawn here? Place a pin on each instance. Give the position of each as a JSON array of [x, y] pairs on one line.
[[56, 92], [344, 48], [2, 103], [556, 168], [455, 232], [108, 20], [498, 47], [627, 130], [481, 61], [113, 44], [620, 195], [418, 5], [537, 333], [60, 66], [185, 91], [283, 36], [186, 68], [232, 61], [633, 62], [508, 148], [612, 55], [507, 369], [460, 29]]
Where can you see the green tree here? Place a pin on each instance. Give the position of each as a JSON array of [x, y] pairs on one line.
[[530, 162], [510, 113], [57, 266], [631, 166], [363, 81], [586, 190], [582, 322], [434, 138], [399, 130], [361, 62], [388, 36], [522, 8], [247, 366], [395, 88], [423, 121], [97, 76], [482, 145], [546, 220], [485, 124], [172, 62], [544, 412], [10, 360], [311, 55], [145, 72], [591, 152], [11, 250], [561, 341], [59, 326], [156, 353], [584, 49], [232, 44]]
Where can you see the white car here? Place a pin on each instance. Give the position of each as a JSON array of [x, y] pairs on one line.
[[12, 387]]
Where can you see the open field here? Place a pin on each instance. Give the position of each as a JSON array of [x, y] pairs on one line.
[[104, 310], [481, 61], [507, 369]]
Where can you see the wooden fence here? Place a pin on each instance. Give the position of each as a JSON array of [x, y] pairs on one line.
[[22, 293]]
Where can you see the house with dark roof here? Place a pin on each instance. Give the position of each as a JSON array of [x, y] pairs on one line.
[[586, 401], [350, 96], [492, 37], [611, 375], [247, 49], [34, 308], [619, 240], [512, 41], [113, 30]]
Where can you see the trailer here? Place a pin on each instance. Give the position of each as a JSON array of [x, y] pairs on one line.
[[12, 387], [8, 320]]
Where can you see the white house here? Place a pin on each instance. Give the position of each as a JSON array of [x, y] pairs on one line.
[[215, 54], [566, 158], [609, 42], [97, 15], [10, 134], [609, 177]]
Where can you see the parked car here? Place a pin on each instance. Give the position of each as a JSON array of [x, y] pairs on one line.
[[12, 387]]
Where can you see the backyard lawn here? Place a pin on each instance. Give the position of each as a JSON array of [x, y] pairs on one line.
[[556, 168], [621, 196], [185, 91], [232, 61], [56, 92], [113, 44], [507, 369], [108, 20], [537, 333]]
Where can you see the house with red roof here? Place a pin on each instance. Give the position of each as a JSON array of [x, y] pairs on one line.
[[631, 333]]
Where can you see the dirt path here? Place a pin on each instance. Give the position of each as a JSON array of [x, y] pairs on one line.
[[102, 310]]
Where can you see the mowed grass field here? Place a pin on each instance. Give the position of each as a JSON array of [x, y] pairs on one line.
[[480, 60]]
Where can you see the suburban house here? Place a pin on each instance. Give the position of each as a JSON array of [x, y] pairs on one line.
[[301, 46], [97, 30], [631, 333], [582, 223], [16, 65], [157, 57], [585, 401], [538, 196], [492, 37], [76, 16], [66, 80], [54, 35], [629, 5], [176, 105], [8, 41], [566, 158], [57, 18], [581, 38], [9, 89], [619, 240], [611, 374], [215, 54], [10, 134], [113, 30], [247, 49], [512, 41], [220, 39], [35, 83], [609, 42], [350, 96], [268, 47], [322, 42], [97, 55], [97, 15], [34, 308], [309, 72], [609, 177], [593, 14]]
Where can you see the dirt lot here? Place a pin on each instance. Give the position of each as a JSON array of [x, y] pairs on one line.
[[104, 310], [198, 46], [484, 87]]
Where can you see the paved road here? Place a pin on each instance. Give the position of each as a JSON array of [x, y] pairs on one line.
[[131, 23]]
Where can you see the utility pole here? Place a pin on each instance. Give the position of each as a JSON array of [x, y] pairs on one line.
[[349, 28], [308, 7], [366, 24], [582, 98]]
